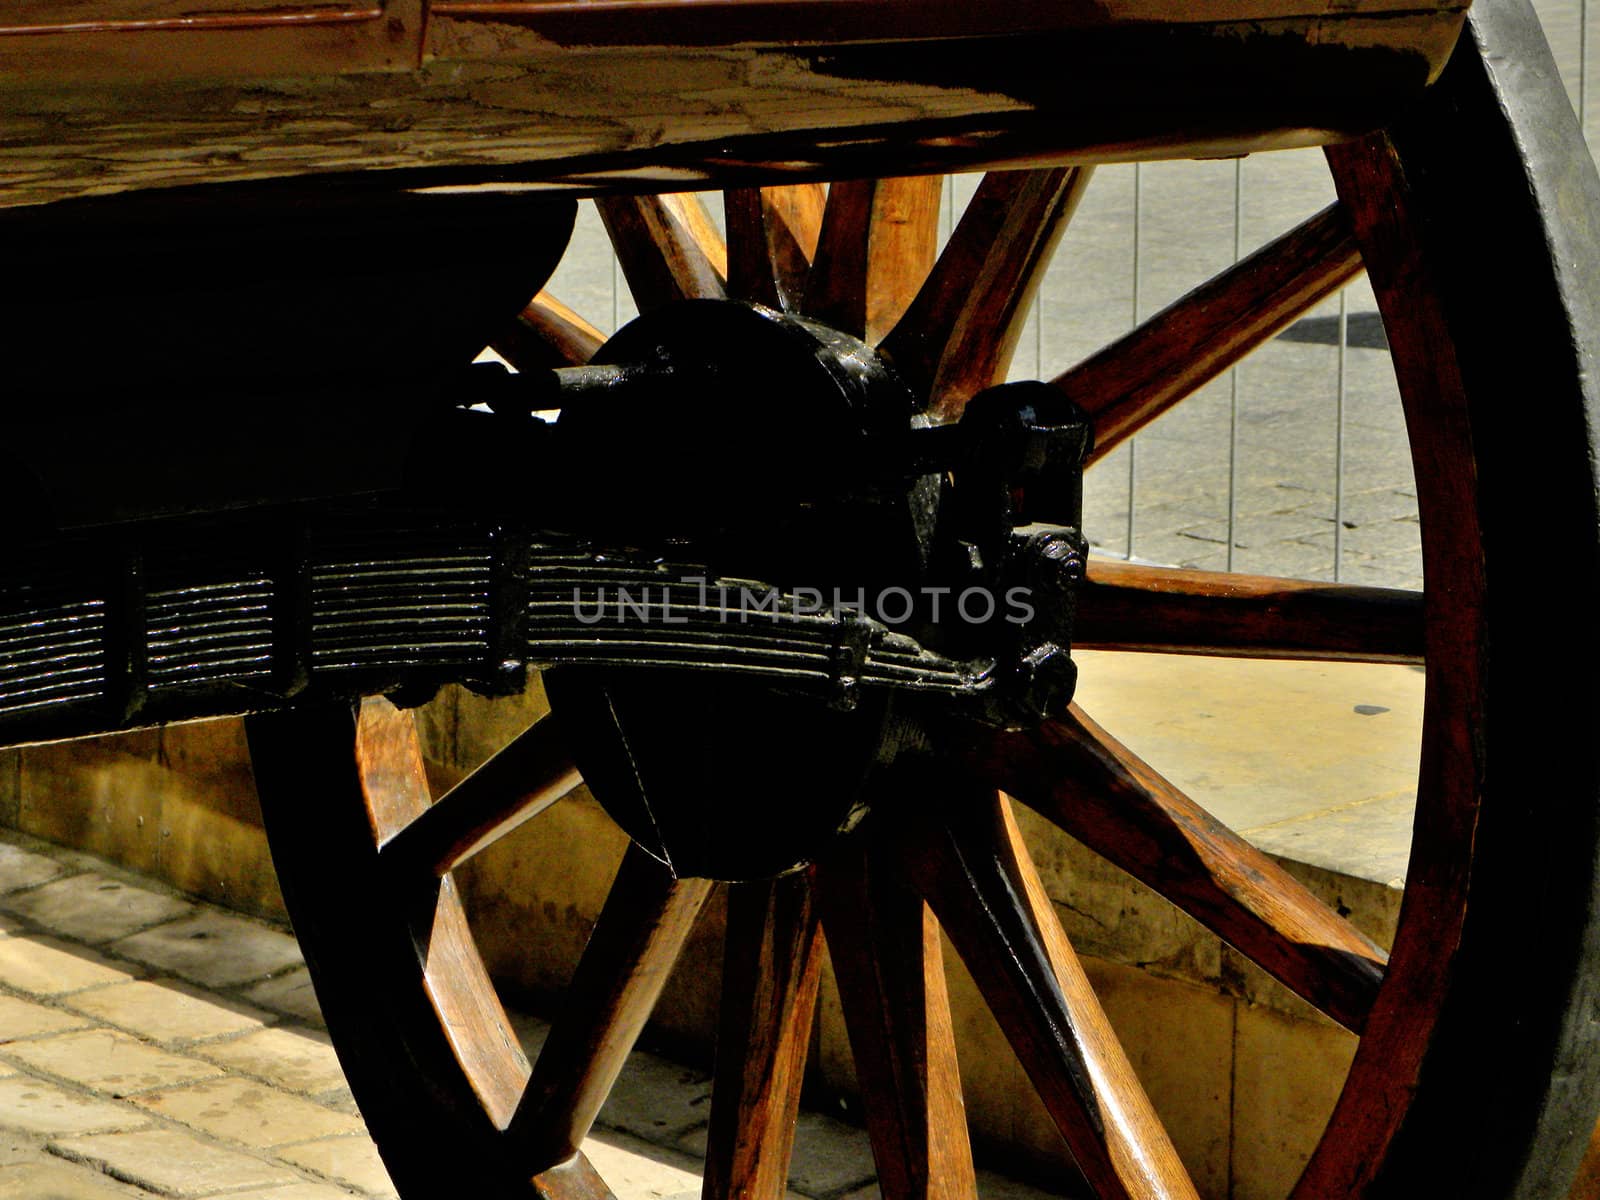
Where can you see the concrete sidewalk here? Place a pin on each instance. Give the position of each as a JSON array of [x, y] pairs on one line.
[[153, 1046]]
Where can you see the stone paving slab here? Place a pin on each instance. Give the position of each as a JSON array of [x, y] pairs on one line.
[[45, 966], [93, 908], [59, 1181], [298, 1060], [246, 1112], [351, 1161], [23, 1019], [167, 1011], [213, 948], [108, 1061], [289, 993], [169, 1162], [30, 1105], [21, 868]]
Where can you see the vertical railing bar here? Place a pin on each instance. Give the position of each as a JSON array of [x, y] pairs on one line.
[[1133, 442], [1338, 452], [1038, 329], [616, 303], [1233, 372], [1583, 68]]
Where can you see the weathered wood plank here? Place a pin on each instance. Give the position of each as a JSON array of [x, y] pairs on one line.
[[658, 98]]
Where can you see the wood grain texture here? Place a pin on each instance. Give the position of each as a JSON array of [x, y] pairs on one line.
[[875, 250], [1183, 347], [1384, 1078], [397, 978], [1076, 774], [547, 335], [931, 18], [549, 96], [668, 247], [958, 336], [574, 1179], [888, 962], [770, 976], [464, 1001], [636, 940], [772, 238], [520, 781], [1169, 610], [36, 14], [974, 871]]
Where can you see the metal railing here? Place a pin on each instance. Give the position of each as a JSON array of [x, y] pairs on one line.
[[1294, 463]]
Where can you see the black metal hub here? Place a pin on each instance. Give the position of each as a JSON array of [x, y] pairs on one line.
[[772, 449]]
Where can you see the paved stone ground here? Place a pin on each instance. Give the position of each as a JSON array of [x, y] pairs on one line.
[[153, 1046]]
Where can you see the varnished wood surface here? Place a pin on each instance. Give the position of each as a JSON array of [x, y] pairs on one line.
[[770, 975], [668, 247], [574, 1179], [959, 333], [1170, 610], [1141, 375], [642, 927], [888, 962], [1080, 777], [395, 784], [840, 19], [772, 238], [87, 15], [1384, 1077], [975, 872], [417, 966], [617, 97], [547, 335], [875, 248], [519, 782]]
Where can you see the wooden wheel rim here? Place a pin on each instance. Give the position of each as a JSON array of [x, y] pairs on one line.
[[1440, 1065]]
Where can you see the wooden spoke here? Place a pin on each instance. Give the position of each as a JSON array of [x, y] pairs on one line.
[[772, 238], [522, 780], [976, 874], [876, 248], [1079, 776], [1124, 606], [958, 336], [547, 335], [668, 247], [468, 1007], [884, 946], [394, 781], [574, 1179], [642, 927], [769, 994], [1138, 377]]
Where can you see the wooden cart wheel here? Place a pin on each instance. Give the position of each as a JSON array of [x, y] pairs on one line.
[[1478, 220]]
